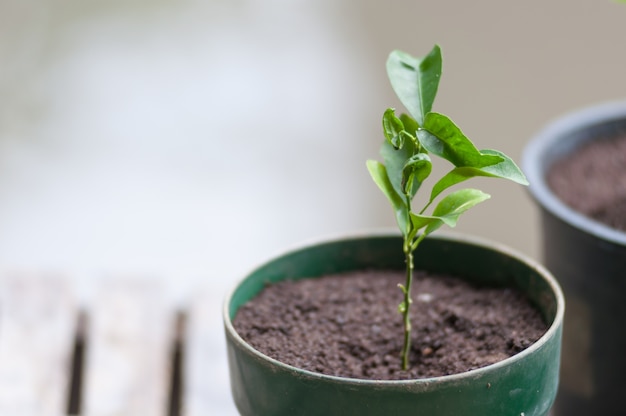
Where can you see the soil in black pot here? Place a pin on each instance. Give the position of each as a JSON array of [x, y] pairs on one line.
[[349, 325], [592, 180]]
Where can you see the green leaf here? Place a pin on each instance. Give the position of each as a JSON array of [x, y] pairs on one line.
[[455, 176], [393, 128], [420, 221], [440, 136], [507, 169], [453, 205], [410, 125], [414, 172], [394, 160], [449, 209], [379, 175], [415, 80]]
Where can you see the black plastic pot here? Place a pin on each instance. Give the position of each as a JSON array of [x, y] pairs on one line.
[[589, 260]]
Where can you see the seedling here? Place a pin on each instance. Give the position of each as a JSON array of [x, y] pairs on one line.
[[410, 139]]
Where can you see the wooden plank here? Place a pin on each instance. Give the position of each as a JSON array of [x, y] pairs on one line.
[[37, 331], [128, 347], [206, 384]]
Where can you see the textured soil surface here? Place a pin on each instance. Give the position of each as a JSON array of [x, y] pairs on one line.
[[349, 325], [592, 180]]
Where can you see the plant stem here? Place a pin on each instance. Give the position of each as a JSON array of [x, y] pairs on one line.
[[408, 254], [409, 248]]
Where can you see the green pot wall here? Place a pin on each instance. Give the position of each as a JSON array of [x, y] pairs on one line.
[[589, 260], [523, 385]]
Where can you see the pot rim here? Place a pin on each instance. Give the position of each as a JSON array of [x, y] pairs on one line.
[[540, 152], [425, 382]]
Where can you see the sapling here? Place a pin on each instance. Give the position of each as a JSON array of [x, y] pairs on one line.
[[410, 139]]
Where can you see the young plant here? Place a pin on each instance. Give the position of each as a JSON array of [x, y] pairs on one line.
[[409, 142]]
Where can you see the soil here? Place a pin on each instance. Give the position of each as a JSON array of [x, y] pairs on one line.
[[349, 325], [592, 180]]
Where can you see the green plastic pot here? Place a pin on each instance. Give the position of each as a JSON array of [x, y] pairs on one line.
[[589, 260], [523, 385]]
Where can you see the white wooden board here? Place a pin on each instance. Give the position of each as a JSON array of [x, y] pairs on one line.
[[128, 352], [206, 385], [37, 335]]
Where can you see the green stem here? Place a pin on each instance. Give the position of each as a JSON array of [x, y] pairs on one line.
[[408, 254], [418, 241], [426, 207]]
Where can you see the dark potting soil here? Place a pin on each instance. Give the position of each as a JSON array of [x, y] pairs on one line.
[[349, 325], [592, 180]]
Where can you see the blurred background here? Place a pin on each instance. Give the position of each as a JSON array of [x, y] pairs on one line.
[[189, 140]]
